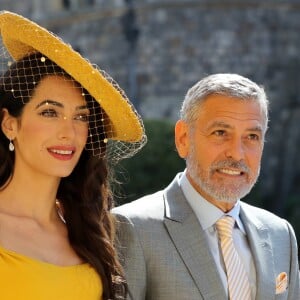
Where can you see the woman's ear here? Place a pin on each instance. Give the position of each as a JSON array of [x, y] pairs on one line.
[[9, 124], [182, 138]]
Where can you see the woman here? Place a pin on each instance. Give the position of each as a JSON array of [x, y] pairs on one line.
[[56, 231]]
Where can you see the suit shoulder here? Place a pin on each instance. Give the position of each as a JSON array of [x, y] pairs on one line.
[[266, 217], [147, 207]]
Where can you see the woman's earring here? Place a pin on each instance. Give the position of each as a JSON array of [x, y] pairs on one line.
[[11, 146]]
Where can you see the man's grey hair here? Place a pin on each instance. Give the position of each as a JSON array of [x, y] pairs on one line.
[[231, 85]]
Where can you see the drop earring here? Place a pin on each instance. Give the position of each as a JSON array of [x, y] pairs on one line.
[[11, 146]]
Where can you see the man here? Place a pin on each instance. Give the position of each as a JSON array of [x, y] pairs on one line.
[[170, 242]]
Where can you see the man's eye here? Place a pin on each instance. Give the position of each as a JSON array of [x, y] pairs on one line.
[[219, 132], [254, 137], [49, 113]]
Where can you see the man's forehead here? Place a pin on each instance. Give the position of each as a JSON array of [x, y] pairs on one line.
[[252, 125], [220, 106]]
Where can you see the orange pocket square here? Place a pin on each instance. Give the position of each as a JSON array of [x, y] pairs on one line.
[[281, 283]]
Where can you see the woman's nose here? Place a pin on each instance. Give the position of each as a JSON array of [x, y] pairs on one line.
[[66, 128]]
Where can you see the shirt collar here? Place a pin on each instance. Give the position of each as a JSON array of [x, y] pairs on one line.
[[207, 213]]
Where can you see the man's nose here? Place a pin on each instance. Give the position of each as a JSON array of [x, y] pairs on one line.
[[235, 149]]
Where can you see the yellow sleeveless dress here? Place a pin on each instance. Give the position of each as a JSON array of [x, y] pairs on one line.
[[25, 278]]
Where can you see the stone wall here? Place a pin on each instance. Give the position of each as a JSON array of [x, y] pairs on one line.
[[179, 42]]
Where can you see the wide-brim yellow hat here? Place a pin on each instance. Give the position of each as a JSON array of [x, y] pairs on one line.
[[21, 37]]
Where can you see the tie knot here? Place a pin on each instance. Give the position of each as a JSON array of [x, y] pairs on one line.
[[225, 226]]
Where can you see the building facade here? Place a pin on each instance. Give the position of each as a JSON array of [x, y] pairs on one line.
[[156, 49]]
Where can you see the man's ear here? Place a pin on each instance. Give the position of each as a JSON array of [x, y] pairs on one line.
[[9, 124], [182, 140]]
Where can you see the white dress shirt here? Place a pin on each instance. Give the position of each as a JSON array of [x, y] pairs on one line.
[[207, 215]]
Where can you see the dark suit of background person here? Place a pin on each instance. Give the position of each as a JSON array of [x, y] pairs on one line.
[[168, 241]]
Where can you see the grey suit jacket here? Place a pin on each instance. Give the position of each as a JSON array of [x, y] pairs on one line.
[[166, 257]]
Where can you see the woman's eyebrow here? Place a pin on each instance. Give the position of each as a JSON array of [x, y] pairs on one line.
[[47, 102], [81, 107], [58, 104]]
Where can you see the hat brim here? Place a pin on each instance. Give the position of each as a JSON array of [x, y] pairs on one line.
[[22, 37]]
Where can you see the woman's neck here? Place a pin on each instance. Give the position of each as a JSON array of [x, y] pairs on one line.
[[30, 197]]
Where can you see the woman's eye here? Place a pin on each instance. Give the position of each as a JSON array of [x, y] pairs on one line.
[[82, 117], [49, 113]]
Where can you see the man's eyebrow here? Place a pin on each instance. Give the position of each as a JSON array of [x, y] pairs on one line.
[[219, 124], [256, 128]]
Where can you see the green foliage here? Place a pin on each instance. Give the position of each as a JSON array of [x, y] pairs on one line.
[[153, 168]]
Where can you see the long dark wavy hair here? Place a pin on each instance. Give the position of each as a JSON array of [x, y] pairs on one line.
[[85, 194]]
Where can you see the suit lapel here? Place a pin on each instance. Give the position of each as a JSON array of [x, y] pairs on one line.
[[261, 249], [190, 242]]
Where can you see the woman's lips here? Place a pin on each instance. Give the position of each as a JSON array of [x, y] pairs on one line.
[[62, 152]]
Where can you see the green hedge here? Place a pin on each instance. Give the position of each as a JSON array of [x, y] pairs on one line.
[[153, 167]]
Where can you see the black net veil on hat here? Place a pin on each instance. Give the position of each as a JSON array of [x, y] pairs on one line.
[[29, 53]]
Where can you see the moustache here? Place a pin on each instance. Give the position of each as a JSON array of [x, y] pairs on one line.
[[230, 163]]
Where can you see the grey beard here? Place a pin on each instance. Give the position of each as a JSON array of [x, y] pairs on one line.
[[223, 193]]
